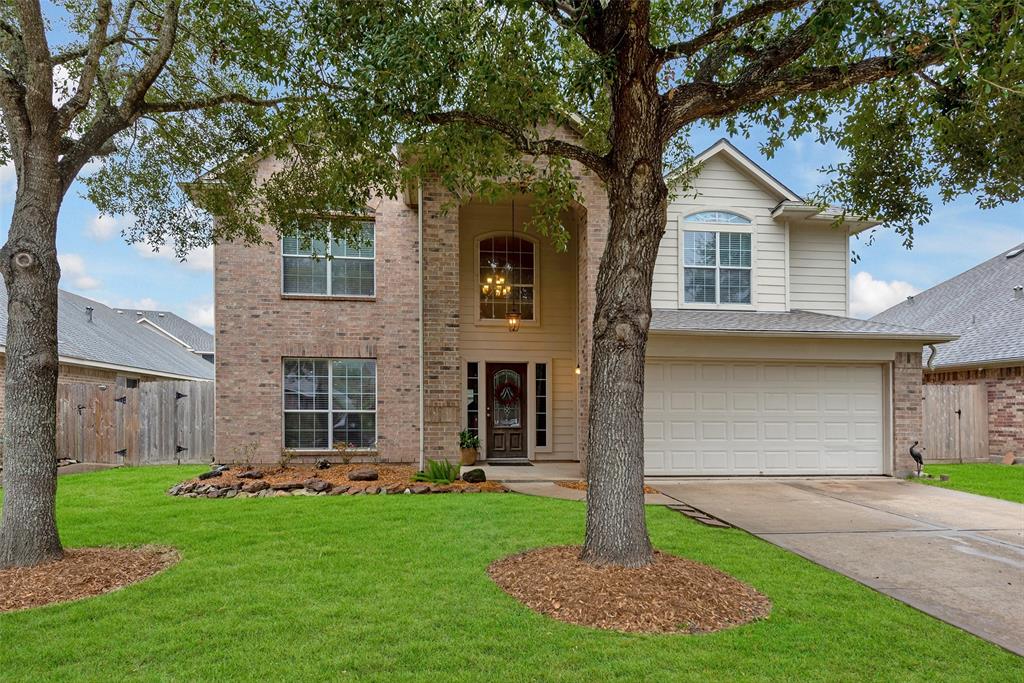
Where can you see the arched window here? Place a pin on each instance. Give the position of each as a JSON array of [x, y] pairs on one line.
[[719, 217], [514, 259]]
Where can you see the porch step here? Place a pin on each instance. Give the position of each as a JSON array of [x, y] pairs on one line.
[[505, 462], [698, 516]]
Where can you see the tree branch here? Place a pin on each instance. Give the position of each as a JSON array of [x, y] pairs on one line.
[[212, 101], [522, 142], [154, 64], [713, 100], [39, 77], [721, 28], [97, 43], [582, 17]]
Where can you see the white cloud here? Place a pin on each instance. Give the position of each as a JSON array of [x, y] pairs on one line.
[[72, 266], [869, 296], [144, 304], [103, 227], [198, 259], [8, 184], [200, 313]]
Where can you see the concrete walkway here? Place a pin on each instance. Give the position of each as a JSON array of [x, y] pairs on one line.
[[954, 555], [539, 480]]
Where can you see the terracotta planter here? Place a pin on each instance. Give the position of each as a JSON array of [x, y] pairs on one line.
[[468, 456]]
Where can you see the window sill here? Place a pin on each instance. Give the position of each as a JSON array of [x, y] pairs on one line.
[[717, 307], [327, 297]]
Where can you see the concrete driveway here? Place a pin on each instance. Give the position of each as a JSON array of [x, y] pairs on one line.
[[956, 556]]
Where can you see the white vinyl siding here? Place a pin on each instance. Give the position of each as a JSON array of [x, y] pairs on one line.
[[722, 186], [817, 265]]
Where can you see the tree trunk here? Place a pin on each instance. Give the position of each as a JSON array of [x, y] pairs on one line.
[[28, 528], [638, 201]]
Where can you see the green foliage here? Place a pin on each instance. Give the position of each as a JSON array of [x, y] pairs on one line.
[[468, 439], [438, 472], [984, 479]]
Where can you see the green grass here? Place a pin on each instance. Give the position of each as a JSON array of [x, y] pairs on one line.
[[986, 479], [393, 588]]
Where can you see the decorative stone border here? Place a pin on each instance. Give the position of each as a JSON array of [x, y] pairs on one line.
[[258, 488]]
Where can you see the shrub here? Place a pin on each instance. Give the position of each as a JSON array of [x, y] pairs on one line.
[[438, 472], [468, 439]]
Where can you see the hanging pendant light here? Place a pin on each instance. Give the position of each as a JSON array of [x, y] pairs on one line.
[[513, 320]]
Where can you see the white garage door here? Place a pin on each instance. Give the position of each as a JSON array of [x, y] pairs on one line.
[[718, 418]]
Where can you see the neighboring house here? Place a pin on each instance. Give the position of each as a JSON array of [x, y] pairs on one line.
[[99, 345], [985, 307], [753, 365], [191, 336]]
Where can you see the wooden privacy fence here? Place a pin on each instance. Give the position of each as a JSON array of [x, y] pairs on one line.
[[955, 423], [155, 423]]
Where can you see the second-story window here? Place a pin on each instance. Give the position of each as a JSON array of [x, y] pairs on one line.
[[335, 268], [716, 267]]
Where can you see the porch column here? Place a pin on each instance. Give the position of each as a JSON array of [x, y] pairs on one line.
[[442, 375]]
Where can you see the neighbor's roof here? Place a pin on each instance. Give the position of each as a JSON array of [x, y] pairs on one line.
[[978, 305], [792, 324], [115, 340], [195, 338]]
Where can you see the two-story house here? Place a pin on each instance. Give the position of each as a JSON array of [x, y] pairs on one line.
[[399, 342]]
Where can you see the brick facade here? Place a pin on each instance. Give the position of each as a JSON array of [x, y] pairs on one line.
[[906, 400], [1004, 388]]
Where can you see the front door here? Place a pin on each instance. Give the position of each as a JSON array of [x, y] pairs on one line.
[[506, 410]]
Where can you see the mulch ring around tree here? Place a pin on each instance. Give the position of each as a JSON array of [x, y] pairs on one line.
[[81, 573], [582, 485], [671, 595]]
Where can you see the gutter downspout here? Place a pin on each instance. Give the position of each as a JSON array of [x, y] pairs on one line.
[[419, 226], [931, 356]]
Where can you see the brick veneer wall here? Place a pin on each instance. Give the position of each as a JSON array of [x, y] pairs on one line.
[[1004, 388], [907, 397], [257, 328]]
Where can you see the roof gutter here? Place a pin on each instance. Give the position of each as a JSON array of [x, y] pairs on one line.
[[924, 339], [85, 363]]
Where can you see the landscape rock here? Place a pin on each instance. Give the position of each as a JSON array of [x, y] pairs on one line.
[[363, 474], [210, 475], [322, 464], [474, 476], [231, 493], [338, 490], [943, 477], [420, 488], [286, 486], [471, 489], [255, 486], [175, 490], [215, 493], [316, 485], [251, 474]]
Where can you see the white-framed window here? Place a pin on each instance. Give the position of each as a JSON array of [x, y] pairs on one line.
[[329, 401], [716, 267], [542, 397], [330, 268], [515, 259], [721, 217]]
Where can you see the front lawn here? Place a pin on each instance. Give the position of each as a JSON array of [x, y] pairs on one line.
[[986, 479], [393, 588]]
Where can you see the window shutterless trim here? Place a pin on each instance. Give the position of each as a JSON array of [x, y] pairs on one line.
[[717, 268], [528, 322], [329, 294], [330, 404]]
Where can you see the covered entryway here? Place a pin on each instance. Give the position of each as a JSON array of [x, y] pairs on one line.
[[758, 418]]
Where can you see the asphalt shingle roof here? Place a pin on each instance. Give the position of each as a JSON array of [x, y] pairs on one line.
[[114, 338], [196, 337], [793, 323], [978, 305]]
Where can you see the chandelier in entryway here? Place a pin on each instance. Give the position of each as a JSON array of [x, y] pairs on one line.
[[497, 284]]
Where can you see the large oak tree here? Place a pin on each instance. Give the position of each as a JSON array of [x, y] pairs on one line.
[[915, 93], [158, 91]]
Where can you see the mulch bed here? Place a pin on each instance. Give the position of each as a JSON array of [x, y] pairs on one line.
[[81, 573], [582, 485], [672, 595], [296, 480]]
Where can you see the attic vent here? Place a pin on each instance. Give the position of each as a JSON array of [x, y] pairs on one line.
[[1015, 252], [910, 300]]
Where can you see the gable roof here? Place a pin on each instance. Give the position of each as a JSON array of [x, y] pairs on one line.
[[737, 157], [113, 340], [189, 335], [980, 306], [784, 324]]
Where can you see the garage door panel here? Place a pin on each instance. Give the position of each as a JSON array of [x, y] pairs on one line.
[[763, 418]]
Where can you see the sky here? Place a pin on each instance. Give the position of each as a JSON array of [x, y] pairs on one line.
[[96, 262]]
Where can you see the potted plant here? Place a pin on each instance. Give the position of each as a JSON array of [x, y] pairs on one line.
[[470, 445]]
